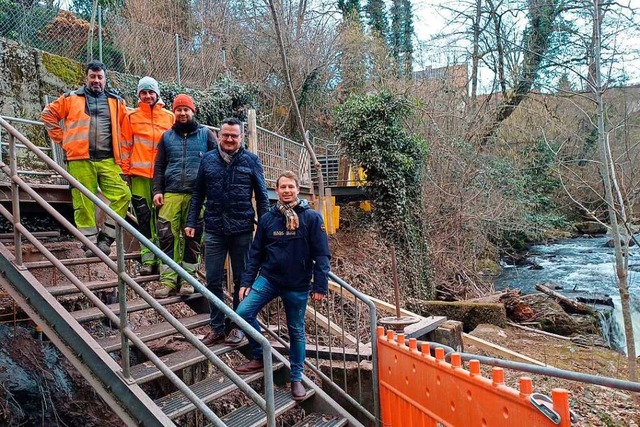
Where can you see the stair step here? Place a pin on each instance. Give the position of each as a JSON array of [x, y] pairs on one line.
[[132, 305], [147, 371], [96, 286], [253, 416], [321, 420], [78, 261], [156, 331], [177, 404]]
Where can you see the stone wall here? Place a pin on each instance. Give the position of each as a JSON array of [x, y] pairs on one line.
[[28, 76]]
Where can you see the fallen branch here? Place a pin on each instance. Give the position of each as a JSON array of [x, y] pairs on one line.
[[538, 331], [568, 304]]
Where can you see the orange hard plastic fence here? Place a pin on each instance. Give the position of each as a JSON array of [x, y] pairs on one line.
[[417, 389]]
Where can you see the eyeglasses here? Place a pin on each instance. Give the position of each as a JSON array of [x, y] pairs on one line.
[[230, 136]]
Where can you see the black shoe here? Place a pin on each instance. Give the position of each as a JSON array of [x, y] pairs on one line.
[[234, 338], [297, 391]]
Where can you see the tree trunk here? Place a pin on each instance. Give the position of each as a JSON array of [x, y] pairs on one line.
[[608, 174], [287, 78]]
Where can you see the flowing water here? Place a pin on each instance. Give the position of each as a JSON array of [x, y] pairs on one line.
[[582, 267]]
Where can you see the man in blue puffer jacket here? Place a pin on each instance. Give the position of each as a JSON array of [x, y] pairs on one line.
[[227, 178], [290, 246], [180, 151]]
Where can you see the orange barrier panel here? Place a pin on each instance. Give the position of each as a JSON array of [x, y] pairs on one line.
[[417, 389]]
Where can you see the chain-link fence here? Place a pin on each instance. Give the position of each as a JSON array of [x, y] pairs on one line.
[[124, 45]]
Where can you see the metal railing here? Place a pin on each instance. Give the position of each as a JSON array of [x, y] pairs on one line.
[[267, 403], [336, 167], [347, 340], [278, 153]]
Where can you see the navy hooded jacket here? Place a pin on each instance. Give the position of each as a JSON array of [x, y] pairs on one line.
[[286, 258], [228, 189]]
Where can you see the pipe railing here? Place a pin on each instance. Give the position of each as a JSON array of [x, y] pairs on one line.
[[267, 404]]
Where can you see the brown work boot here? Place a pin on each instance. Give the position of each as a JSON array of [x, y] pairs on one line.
[[164, 291], [297, 391], [212, 338], [250, 367], [186, 290]]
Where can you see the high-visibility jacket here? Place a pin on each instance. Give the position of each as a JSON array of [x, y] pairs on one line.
[[142, 130], [73, 134]]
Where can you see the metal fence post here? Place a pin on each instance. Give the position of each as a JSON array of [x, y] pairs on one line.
[[178, 58], [100, 33], [15, 200]]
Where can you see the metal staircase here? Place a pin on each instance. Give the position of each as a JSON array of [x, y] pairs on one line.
[[121, 385]]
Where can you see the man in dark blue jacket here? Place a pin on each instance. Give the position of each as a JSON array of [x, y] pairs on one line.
[[228, 176], [290, 246]]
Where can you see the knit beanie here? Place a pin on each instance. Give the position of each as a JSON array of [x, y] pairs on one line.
[[148, 83], [184, 100]]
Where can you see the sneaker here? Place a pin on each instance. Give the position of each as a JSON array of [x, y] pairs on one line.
[[212, 338], [148, 269], [297, 390], [250, 367], [234, 338], [186, 290], [164, 291]]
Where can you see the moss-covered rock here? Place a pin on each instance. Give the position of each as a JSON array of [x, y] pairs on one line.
[[470, 314], [67, 70]]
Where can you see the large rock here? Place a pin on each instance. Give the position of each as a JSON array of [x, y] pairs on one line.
[[591, 227]]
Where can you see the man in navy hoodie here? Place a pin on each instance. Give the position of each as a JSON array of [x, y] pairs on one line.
[[289, 247]]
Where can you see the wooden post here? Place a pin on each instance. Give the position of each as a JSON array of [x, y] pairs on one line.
[[252, 131], [329, 211]]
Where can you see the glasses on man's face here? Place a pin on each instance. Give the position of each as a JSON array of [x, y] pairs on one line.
[[233, 136]]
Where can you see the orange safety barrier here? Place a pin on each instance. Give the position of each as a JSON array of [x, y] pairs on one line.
[[417, 389]]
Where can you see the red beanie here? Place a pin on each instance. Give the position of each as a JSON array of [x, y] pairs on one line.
[[184, 100]]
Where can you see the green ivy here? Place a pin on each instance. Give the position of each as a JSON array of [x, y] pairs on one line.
[[371, 130]]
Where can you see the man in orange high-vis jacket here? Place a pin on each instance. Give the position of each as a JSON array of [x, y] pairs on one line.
[[142, 130], [87, 123]]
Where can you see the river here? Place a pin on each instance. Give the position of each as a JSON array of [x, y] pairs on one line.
[[582, 267]]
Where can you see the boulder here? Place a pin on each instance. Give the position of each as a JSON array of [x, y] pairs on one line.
[[591, 227]]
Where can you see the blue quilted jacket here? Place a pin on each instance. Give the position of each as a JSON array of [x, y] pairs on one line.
[[227, 189]]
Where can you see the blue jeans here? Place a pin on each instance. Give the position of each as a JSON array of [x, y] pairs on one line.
[[216, 248], [295, 305]]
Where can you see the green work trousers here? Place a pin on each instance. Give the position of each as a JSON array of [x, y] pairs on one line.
[[93, 174], [185, 251], [146, 214]]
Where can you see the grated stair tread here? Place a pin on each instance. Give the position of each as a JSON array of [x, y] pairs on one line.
[[95, 286], [321, 420], [147, 371], [132, 305], [156, 331], [253, 416], [78, 261], [177, 404]]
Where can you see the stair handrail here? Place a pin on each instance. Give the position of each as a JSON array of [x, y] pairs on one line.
[[267, 404]]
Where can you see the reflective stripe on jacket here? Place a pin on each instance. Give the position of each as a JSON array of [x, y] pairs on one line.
[[73, 134], [142, 130]]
